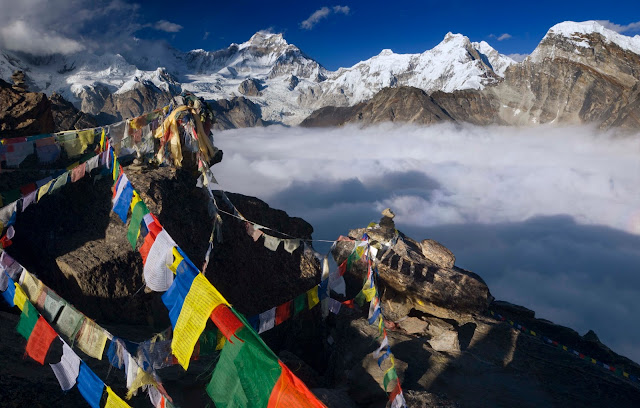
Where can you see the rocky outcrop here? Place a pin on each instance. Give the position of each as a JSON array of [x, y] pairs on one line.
[[238, 112], [250, 87], [403, 104], [130, 104], [23, 113], [68, 117]]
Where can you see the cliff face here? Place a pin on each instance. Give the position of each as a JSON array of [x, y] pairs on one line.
[[23, 113]]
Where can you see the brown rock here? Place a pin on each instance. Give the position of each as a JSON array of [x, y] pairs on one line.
[[23, 113], [68, 117], [238, 112], [250, 87], [437, 253]]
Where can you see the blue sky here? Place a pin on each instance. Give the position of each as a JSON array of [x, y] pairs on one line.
[[341, 34], [343, 38]]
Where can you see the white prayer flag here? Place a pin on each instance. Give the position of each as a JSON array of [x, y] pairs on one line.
[[28, 199], [291, 245], [267, 320], [385, 343], [92, 163], [271, 243], [67, 369], [157, 274], [398, 401], [130, 367], [121, 184], [334, 306]]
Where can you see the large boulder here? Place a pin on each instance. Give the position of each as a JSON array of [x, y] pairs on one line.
[[68, 117], [411, 280]]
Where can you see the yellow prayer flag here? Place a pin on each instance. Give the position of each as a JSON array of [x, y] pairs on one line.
[[114, 401], [92, 339], [102, 141], [369, 293], [220, 340], [564, 348], [202, 298], [44, 189], [32, 286], [360, 251], [312, 297], [177, 259], [533, 333], [86, 138], [593, 360], [626, 374], [19, 297], [135, 200]]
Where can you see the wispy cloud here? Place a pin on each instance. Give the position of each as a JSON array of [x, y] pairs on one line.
[[548, 216], [167, 26], [206, 35], [323, 13], [20, 36], [501, 37], [631, 27]]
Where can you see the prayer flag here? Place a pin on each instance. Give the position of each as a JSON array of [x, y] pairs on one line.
[[28, 199], [28, 189], [114, 401], [52, 305], [283, 312], [138, 212], [201, 300], [271, 243], [122, 200], [226, 321], [92, 339], [60, 181], [69, 321], [44, 189], [299, 303], [153, 228], [312, 297], [66, 371], [78, 172], [157, 275], [28, 319], [9, 293], [334, 306], [389, 376], [40, 340], [289, 391], [32, 286], [267, 320], [291, 245], [174, 297], [19, 297], [90, 385]]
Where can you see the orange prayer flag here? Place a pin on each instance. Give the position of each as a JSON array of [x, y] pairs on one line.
[[290, 391], [226, 321], [40, 340]]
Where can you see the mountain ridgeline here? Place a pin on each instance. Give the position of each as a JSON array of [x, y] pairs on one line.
[[579, 73]]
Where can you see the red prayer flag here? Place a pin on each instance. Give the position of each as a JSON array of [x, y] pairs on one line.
[[396, 390], [283, 312], [154, 229], [289, 391], [29, 188], [226, 321], [342, 269], [78, 172], [40, 340]]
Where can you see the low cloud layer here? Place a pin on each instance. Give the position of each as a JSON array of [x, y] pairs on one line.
[[548, 216]]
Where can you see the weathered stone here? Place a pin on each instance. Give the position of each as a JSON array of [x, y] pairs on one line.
[[68, 117], [446, 341], [437, 253], [514, 309], [413, 325], [238, 112]]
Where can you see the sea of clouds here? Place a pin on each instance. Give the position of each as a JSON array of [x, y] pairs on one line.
[[548, 216]]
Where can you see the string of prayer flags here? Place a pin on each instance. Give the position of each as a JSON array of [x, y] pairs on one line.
[[200, 301], [67, 370], [92, 339], [157, 275], [90, 385], [40, 340]]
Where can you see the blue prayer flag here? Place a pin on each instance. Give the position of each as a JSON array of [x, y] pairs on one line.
[[174, 297], [90, 385], [10, 292], [121, 207]]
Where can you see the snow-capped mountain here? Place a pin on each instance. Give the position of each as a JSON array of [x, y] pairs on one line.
[[292, 84]]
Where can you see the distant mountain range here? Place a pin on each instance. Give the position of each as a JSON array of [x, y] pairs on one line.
[[580, 72]]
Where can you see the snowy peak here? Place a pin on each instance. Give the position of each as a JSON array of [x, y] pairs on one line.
[[265, 40], [582, 35]]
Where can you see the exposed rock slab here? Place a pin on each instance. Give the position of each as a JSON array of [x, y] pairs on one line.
[[23, 113]]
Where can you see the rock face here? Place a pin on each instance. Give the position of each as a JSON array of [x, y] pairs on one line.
[[67, 117], [250, 87], [133, 103], [23, 113], [238, 112], [403, 104]]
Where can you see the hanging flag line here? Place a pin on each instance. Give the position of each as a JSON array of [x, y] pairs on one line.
[[192, 300], [90, 337], [569, 350], [71, 370]]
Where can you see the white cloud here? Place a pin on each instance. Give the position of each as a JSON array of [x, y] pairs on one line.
[[504, 36], [631, 27], [323, 13], [20, 36], [548, 216], [518, 57], [167, 26]]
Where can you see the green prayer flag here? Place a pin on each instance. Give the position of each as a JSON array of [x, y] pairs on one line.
[[208, 341], [245, 374], [389, 376], [299, 303], [28, 320], [360, 298], [139, 211]]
